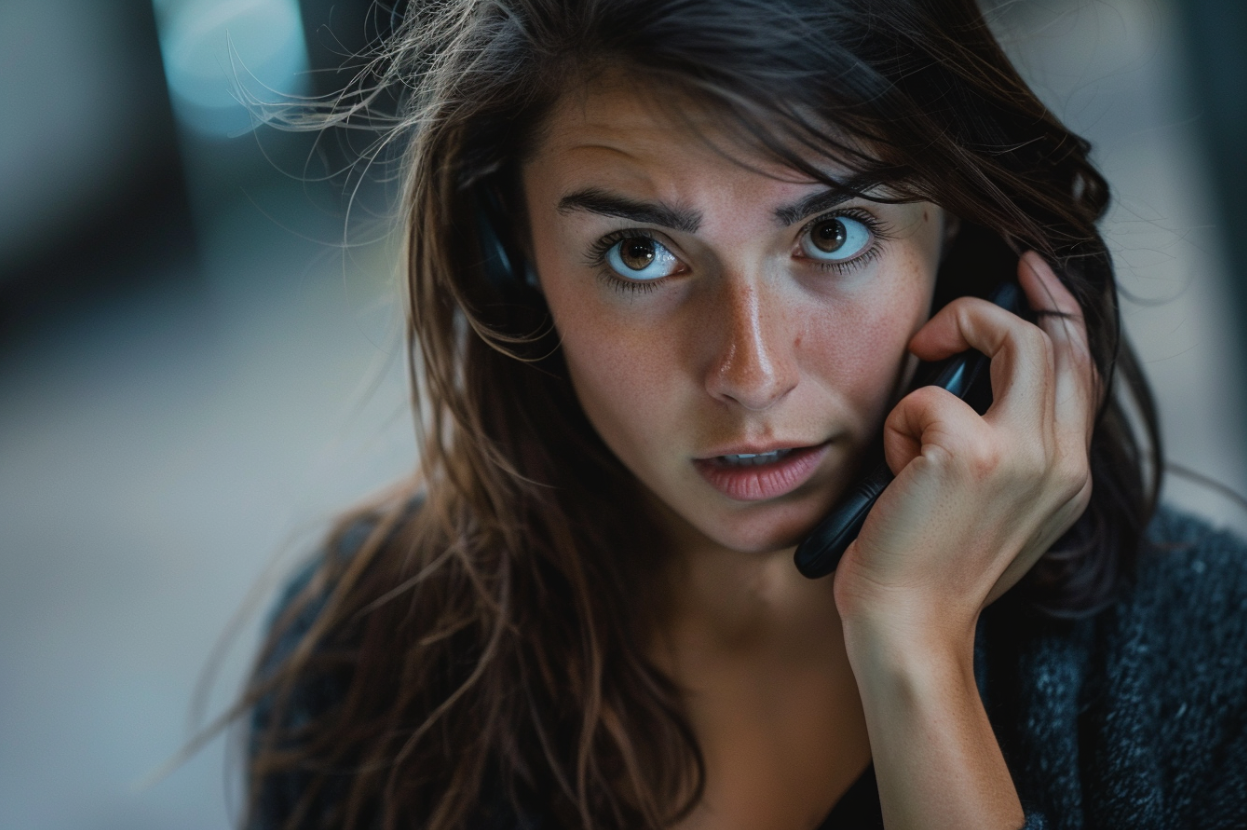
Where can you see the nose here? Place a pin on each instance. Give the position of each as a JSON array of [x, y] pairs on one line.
[[755, 363]]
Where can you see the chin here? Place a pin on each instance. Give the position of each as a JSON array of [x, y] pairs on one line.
[[762, 533]]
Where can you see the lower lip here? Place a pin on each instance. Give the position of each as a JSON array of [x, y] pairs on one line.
[[764, 481]]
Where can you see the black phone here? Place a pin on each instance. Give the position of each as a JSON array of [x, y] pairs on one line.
[[966, 375]]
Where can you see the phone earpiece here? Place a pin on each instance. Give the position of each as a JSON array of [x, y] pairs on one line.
[[506, 269], [497, 262]]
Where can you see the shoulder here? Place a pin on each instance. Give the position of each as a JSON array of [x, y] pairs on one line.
[[1180, 622], [309, 736], [300, 690], [301, 603], [302, 599], [290, 693], [1190, 588], [1171, 713], [1136, 716]]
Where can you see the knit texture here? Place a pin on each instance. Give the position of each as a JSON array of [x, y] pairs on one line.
[[1134, 718]]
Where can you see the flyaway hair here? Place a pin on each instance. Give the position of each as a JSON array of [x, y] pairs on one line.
[[475, 644]]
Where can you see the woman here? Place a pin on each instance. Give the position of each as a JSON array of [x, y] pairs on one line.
[[670, 267]]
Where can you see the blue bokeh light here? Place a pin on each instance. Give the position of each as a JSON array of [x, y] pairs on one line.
[[225, 59]]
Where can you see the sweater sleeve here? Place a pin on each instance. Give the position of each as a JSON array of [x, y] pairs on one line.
[[1137, 716], [1201, 608], [1172, 747]]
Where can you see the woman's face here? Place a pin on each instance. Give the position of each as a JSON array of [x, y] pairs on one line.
[[736, 338]]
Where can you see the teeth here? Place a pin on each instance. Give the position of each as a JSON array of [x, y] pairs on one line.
[[753, 459]]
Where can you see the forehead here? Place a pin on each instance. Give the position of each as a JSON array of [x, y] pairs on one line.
[[628, 131], [610, 110]]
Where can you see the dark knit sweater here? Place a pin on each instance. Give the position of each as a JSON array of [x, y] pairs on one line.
[[1134, 718]]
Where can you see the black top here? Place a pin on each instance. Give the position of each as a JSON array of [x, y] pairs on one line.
[[1133, 718], [858, 808]]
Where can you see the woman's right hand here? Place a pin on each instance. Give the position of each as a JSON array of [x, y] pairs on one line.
[[976, 500]]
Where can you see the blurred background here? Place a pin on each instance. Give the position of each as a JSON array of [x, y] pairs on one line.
[[200, 351]]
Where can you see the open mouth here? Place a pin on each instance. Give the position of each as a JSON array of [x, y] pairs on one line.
[[754, 459], [763, 475]]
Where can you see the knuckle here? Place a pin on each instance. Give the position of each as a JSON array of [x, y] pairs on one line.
[[1039, 459], [923, 396], [967, 309], [1038, 342], [1029, 466], [928, 401], [1072, 474], [983, 459]]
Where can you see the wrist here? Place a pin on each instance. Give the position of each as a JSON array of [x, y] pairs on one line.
[[903, 619], [930, 605], [910, 651]]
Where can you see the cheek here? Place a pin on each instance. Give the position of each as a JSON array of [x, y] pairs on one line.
[[613, 366], [859, 354], [627, 383], [857, 366]]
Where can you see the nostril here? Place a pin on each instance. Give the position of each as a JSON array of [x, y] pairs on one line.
[[754, 378]]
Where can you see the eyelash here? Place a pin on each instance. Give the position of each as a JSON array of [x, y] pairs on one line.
[[878, 232], [597, 254], [597, 259]]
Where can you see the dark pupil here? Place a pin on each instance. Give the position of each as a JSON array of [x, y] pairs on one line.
[[637, 253], [829, 236]]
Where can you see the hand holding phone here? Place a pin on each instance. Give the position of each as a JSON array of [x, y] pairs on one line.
[[966, 376]]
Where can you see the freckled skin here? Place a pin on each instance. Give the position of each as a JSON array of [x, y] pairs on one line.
[[750, 342]]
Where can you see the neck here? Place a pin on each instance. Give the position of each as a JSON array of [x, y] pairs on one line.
[[728, 604], [758, 654]]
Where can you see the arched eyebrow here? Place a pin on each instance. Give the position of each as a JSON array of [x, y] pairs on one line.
[[818, 202], [604, 203], [596, 200]]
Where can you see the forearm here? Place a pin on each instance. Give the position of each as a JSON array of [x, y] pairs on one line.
[[936, 757]]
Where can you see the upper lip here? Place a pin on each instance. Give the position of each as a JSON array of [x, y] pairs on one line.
[[758, 449]]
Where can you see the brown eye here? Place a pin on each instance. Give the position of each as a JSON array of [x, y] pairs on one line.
[[637, 253], [641, 259], [829, 236], [836, 239]]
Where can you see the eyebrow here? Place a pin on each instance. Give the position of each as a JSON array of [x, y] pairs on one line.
[[819, 202], [596, 200]]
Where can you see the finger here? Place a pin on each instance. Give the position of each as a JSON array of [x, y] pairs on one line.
[[1021, 356], [1058, 311], [1060, 316], [927, 419]]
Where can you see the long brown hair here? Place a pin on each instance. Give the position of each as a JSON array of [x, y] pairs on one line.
[[473, 645]]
